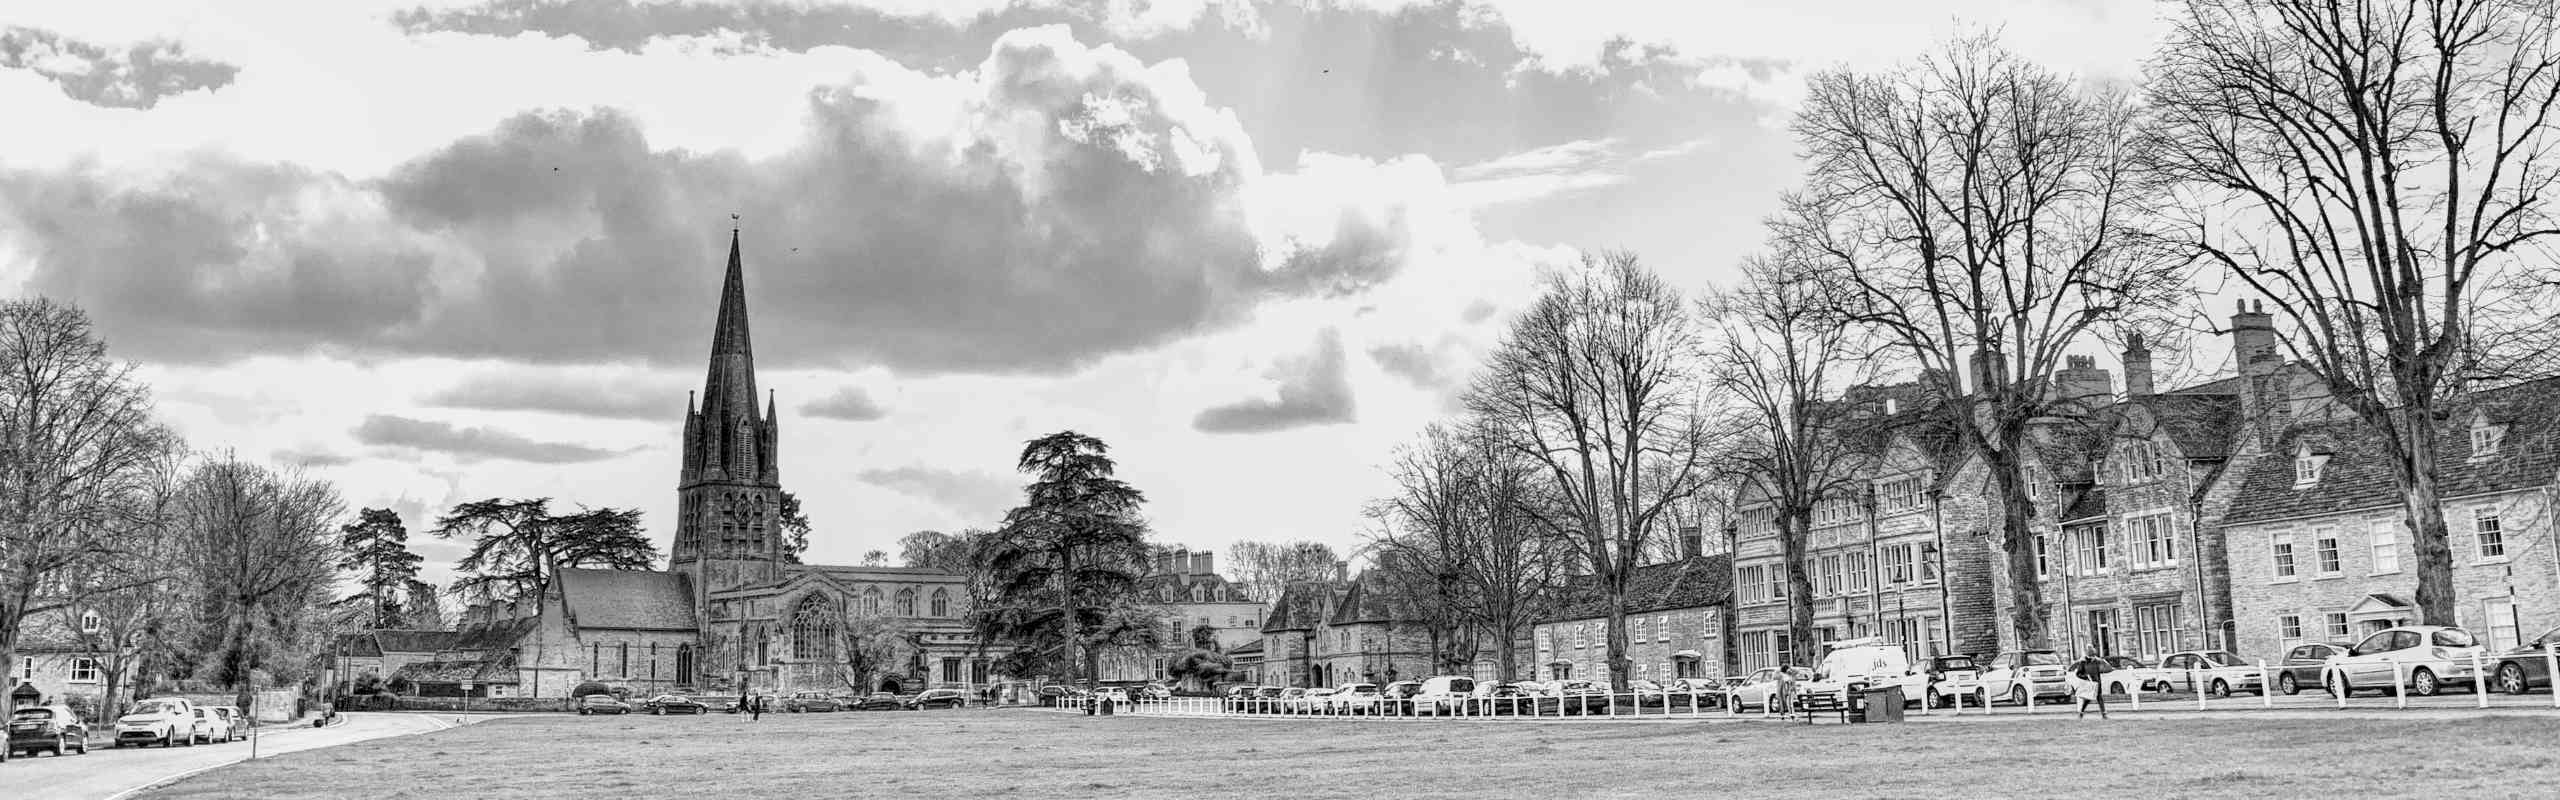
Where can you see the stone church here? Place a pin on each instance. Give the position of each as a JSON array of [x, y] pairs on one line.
[[731, 611]]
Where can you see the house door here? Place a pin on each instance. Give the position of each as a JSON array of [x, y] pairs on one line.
[[2102, 631]]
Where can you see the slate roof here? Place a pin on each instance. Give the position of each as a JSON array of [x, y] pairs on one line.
[[627, 599], [1687, 583], [2358, 475], [359, 644], [1368, 599], [1300, 607], [497, 635], [2201, 425], [456, 671], [2090, 503], [412, 641]]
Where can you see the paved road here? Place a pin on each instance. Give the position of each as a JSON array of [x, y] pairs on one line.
[[109, 773]]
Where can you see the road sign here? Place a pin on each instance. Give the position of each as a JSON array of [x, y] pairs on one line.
[[466, 686]]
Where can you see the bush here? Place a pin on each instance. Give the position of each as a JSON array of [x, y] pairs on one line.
[[83, 706]]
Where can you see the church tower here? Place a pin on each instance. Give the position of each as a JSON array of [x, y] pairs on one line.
[[729, 493]]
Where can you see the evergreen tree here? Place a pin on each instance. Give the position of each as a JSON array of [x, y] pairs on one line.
[[377, 548], [1061, 573]]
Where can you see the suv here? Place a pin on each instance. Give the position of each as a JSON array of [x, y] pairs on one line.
[[1951, 679], [2028, 676], [51, 729], [939, 698], [167, 720], [1853, 665]]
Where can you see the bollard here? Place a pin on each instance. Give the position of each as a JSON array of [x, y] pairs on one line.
[[2135, 692], [2329, 670], [2399, 684], [2479, 679], [2197, 686], [2266, 686], [2551, 671], [2031, 698]]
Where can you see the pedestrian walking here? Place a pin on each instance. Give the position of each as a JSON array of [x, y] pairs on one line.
[[2089, 684], [755, 709], [1785, 696]]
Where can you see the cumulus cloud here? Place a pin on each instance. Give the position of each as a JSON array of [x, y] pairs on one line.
[[640, 397], [1313, 389], [969, 494], [850, 404], [1374, 79], [1424, 366], [1057, 204], [133, 76], [471, 443]]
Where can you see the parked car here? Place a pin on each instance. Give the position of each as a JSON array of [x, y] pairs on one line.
[[1310, 701], [1575, 697], [1952, 679], [2527, 665], [1756, 688], [1357, 698], [2427, 658], [1696, 692], [938, 698], [2303, 664], [1396, 699], [806, 702], [1647, 693], [1505, 698], [1854, 665], [880, 701], [2025, 676], [52, 729], [2218, 672], [1443, 694], [1153, 691], [167, 720], [210, 727], [601, 704], [235, 720], [665, 704], [1238, 699]]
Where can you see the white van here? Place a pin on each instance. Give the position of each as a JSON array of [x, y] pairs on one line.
[[1855, 664], [1446, 694]]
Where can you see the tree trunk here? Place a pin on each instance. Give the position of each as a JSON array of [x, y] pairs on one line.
[[1795, 534], [2429, 536], [1073, 640], [244, 636], [1506, 658], [2017, 540], [1618, 662]]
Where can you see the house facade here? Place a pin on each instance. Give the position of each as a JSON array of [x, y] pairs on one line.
[[1675, 622]]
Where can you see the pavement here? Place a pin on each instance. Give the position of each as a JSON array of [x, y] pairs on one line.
[[2155, 706], [108, 773]]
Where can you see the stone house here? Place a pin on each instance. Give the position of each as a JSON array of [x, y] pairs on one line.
[[1330, 633], [1201, 610], [2319, 549], [54, 665], [1675, 623]]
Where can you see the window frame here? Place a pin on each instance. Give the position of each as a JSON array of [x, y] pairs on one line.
[[2284, 562], [2328, 558], [2488, 530], [2383, 546]]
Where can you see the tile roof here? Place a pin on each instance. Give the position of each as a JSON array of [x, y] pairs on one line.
[[1687, 583], [627, 599], [2358, 473], [359, 644]]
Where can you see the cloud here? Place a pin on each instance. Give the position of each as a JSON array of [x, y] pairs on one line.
[[1056, 205], [850, 404], [969, 494], [1375, 79], [471, 444], [646, 397], [1314, 390], [313, 458], [136, 76], [1424, 366]]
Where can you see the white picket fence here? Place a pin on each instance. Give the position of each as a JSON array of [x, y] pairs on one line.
[[1702, 705]]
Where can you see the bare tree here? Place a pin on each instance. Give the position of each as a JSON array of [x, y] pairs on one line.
[[1782, 355], [76, 444], [125, 605], [1262, 569], [1974, 206], [262, 546], [1595, 385], [2373, 169], [1461, 519]]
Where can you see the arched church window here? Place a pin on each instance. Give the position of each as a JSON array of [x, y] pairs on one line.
[[871, 601], [907, 602], [941, 602], [813, 629], [684, 663]]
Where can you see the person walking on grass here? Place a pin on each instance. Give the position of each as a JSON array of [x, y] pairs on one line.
[[2089, 684], [1785, 695]]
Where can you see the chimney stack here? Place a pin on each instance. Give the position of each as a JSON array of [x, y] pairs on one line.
[[1341, 571], [2253, 334], [1692, 541], [2081, 381], [2137, 368], [1202, 563]]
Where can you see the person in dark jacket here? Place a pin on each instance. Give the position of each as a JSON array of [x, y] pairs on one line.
[[2090, 684]]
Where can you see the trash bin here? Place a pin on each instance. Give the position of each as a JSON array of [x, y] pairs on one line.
[[1092, 706], [1106, 706], [1884, 703]]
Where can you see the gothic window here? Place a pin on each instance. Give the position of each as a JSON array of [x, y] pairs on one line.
[[941, 603], [907, 602], [742, 449], [871, 601], [684, 663], [764, 644], [813, 630]]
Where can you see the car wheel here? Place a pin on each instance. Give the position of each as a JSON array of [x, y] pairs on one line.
[[2018, 695], [169, 739], [2511, 678], [2338, 686], [84, 745], [2423, 683], [2221, 688], [658, 711]]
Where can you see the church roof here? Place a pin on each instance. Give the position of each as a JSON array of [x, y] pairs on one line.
[[627, 599]]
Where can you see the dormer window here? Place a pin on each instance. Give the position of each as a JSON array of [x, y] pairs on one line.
[[2485, 437], [2307, 465]]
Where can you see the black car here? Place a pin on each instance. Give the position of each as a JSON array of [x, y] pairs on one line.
[[2303, 664], [938, 698], [665, 704], [52, 729], [877, 701]]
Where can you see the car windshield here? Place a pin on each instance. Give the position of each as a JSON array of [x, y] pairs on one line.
[[2222, 658], [2454, 637], [154, 707], [33, 713], [2044, 658], [1955, 663], [2548, 638]]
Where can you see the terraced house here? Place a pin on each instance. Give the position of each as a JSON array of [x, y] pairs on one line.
[[1675, 623]]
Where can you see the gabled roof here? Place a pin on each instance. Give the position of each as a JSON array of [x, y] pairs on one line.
[[359, 644], [2201, 425], [411, 641], [627, 599], [1368, 599], [2358, 475], [2090, 503], [1300, 607], [1687, 583]]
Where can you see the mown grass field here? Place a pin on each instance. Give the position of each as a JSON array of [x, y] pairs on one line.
[[1023, 753]]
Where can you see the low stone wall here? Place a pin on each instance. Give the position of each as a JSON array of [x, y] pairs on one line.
[[406, 703]]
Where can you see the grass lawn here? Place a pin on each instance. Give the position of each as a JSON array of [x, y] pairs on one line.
[[1022, 753]]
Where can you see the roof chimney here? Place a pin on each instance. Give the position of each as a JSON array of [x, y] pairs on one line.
[[2137, 368], [2253, 334]]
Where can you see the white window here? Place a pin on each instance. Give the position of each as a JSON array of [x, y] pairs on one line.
[[2155, 542], [2283, 554], [90, 622], [1858, 572], [2306, 466], [2485, 438], [2337, 624], [1901, 494], [2486, 531], [2044, 566], [1830, 575], [84, 670], [1582, 636], [2289, 627], [2324, 551], [1635, 629], [2386, 548], [2091, 551], [1662, 628], [26, 668], [1897, 563]]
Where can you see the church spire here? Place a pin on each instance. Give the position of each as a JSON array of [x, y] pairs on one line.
[[729, 336]]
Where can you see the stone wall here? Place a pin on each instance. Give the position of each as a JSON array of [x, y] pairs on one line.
[[1665, 633], [2527, 577]]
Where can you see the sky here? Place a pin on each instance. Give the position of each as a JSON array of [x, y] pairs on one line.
[[449, 251]]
